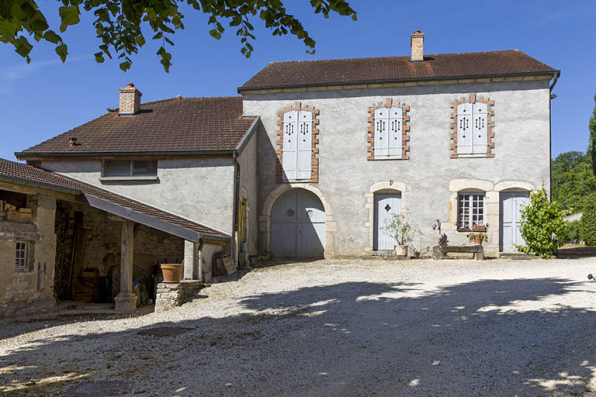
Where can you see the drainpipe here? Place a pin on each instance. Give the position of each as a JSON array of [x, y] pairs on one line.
[[550, 134], [236, 203]]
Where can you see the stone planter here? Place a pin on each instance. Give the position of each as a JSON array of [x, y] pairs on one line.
[[401, 250], [172, 272]]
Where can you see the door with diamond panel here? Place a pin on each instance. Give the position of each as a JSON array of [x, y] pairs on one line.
[[386, 206]]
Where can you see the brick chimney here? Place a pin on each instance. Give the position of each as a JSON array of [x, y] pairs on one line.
[[417, 43], [130, 100]]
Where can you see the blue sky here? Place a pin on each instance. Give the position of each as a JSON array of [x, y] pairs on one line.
[[46, 97]]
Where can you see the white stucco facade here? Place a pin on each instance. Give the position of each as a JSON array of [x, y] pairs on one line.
[[430, 179]]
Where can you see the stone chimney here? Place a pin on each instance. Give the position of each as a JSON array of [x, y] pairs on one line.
[[417, 43], [130, 100]]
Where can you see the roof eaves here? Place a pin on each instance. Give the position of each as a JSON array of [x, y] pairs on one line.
[[251, 130], [25, 155], [402, 80], [40, 185]]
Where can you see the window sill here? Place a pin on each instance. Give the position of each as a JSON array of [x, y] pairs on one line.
[[128, 178], [383, 158], [472, 156], [297, 181], [476, 229]]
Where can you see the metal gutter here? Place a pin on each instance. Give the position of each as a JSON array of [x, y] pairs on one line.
[[381, 81], [39, 185], [550, 136]]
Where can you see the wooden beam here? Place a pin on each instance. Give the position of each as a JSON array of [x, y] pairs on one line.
[[13, 187]]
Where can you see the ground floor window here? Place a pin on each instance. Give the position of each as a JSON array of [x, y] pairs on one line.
[[470, 212], [21, 256]]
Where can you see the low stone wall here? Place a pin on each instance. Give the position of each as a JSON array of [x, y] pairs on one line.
[[172, 295]]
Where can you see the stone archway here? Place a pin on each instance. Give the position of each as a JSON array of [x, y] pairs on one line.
[[265, 218]]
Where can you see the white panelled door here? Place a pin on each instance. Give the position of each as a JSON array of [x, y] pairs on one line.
[[298, 225], [511, 205], [386, 205]]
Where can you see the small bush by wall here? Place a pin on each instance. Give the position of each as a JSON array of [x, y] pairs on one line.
[[588, 222]]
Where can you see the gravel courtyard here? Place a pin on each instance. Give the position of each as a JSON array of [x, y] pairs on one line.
[[333, 328]]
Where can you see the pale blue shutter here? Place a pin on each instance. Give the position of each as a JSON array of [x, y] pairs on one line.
[[395, 131], [381, 132], [304, 145], [480, 141], [290, 144], [464, 128]]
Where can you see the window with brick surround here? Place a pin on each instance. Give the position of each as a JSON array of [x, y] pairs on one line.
[[388, 126], [472, 127], [22, 256], [471, 212], [297, 144]]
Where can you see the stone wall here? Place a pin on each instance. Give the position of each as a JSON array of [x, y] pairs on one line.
[[29, 291], [172, 295], [347, 178]]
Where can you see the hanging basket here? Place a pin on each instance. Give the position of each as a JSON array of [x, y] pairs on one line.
[[172, 272]]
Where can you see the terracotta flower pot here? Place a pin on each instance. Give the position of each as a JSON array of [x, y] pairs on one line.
[[478, 240], [172, 272]]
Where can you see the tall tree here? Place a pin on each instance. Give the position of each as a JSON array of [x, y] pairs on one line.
[[572, 180], [592, 147], [119, 23]]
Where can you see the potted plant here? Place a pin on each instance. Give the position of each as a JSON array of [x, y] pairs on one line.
[[477, 238], [400, 229]]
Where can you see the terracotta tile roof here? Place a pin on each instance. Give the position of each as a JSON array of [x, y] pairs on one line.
[[394, 69], [28, 175], [171, 125]]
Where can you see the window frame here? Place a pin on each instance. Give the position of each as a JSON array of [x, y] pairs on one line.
[[22, 262], [476, 210], [106, 176]]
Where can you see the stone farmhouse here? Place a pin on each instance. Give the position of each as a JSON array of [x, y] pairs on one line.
[[310, 161]]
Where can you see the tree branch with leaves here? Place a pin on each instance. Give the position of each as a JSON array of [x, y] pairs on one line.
[[119, 23]]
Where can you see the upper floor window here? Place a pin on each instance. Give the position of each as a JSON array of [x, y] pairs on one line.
[[130, 168], [470, 212], [472, 128], [388, 132], [22, 256], [297, 145]]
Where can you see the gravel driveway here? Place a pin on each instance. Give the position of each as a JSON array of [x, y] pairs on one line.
[[334, 328]]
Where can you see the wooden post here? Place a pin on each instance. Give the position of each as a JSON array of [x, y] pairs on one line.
[[126, 299]]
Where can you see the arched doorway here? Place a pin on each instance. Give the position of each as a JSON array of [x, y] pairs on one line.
[[298, 225]]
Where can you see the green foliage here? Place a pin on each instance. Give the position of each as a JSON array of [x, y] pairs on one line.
[[482, 236], [572, 180], [572, 235], [400, 229], [542, 225], [592, 146], [119, 23], [587, 229]]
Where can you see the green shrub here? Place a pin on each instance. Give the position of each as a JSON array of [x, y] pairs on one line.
[[572, 234], [587, 229], [542, 225]]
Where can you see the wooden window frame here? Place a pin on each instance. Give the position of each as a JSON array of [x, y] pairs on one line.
[[22, 263], [131, 175], [469, 225]]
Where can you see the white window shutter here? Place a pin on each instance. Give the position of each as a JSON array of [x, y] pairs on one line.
[[464, 128], [381, 132], [290, 144], [480, 140], [304, 145], [395, 131]]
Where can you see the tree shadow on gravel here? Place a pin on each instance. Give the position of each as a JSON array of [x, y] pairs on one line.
[[483, 338]]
